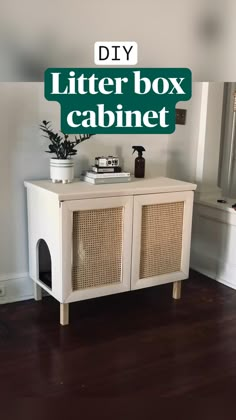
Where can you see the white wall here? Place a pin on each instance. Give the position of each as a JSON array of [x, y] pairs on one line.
[[22, 107], [183, 143], [193, 150], [211, 153], [169, 34]]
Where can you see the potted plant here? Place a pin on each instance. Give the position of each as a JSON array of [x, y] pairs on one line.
[[62, 165]]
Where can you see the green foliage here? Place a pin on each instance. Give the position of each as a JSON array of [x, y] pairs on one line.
[[59, 144]]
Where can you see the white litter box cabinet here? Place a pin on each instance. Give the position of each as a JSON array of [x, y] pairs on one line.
[[88, 240]]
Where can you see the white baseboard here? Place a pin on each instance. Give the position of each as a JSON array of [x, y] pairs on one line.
[[13, 276], [221, 271], [226, 283], [17, 287], [203, 271]]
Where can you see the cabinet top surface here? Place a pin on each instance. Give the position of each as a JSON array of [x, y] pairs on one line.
[[79, 189]]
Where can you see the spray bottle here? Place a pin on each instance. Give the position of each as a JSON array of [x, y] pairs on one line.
[[139, 169]]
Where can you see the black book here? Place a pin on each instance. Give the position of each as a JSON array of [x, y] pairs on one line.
[[106, 170]]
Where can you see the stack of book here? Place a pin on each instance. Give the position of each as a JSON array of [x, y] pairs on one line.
[[107, 175]]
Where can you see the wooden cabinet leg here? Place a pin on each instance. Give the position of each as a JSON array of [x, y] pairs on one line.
[[64, 313], [177, 290], [37, 292]]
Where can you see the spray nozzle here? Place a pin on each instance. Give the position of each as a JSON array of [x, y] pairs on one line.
[[139, 149]]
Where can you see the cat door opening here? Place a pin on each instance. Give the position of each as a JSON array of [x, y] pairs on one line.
[[44, 264]]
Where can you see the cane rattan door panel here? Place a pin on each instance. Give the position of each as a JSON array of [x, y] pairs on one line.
[[97, 247], [161, 239]]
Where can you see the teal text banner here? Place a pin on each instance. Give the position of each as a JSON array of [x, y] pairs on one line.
[[118, 100]]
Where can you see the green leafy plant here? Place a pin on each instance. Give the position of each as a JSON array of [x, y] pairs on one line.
[[60, 145]]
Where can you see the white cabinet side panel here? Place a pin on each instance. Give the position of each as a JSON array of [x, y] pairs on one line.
[[44, 223]]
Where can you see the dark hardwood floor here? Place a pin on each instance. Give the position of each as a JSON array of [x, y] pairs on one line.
[[137, 346]]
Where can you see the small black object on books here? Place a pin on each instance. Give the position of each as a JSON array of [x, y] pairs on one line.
[[103, 170], [106, 171]]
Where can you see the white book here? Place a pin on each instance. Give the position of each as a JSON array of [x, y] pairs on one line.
[[100, 181], [95, 175]]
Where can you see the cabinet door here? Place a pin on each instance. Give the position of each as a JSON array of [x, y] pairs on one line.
[[161, 238], [96, 247]]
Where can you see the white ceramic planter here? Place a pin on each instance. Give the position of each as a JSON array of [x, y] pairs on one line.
[[62, 170]]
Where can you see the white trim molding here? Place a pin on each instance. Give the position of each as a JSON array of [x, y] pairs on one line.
[[217, 270], [17, 287], [13, 276], [213, 240]]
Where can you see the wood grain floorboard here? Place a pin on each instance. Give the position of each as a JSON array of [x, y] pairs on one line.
[[135, 346]]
